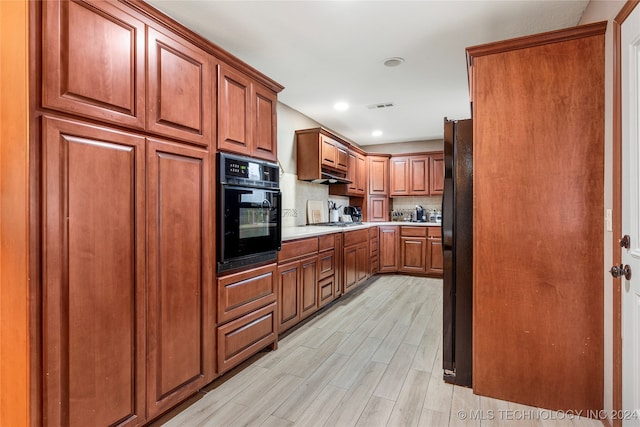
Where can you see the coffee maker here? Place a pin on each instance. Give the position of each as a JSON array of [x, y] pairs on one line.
[[421, 215], [354, 212]]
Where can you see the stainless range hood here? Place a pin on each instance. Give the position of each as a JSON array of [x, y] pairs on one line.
[[327, 178]]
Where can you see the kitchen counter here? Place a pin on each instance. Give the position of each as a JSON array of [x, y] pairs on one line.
[[299, 232]]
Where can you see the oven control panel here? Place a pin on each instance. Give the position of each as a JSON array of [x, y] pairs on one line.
[[241, 170]]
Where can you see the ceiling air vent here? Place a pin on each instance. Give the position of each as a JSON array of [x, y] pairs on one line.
[[380, 105]]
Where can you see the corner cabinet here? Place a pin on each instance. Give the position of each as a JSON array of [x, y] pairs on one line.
[[246, 115]]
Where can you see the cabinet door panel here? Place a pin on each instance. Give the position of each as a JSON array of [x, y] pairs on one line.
[[378, 208], [266, 129], [436, 181], [361, 175], [93, 275], [179, 322], [350, 271], [399, 176], [363, 262], [309, 286], [413, 254], [434, 257], [93, 61], [419, 179], [388, 255], [379, 175], [180, 94], [288, 309], [234, 111]]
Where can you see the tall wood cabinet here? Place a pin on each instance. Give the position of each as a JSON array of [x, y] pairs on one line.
[[538, 152], [122, 294]]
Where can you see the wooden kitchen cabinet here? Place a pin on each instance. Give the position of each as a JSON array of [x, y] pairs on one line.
[[246, 115], [94, 275], [174, 98], [334, 154], [416, 175], [413, 249], [179, 99], [297, 281], [378, 172], [327, 266], [79, 38], [356, 173], [180, 325], [374, 249], [436, 174], [434, 265], [376, 208], [356, 259], [389, 244]]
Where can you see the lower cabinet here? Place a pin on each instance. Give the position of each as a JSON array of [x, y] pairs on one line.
[[374, 249], [356, 259], [389, 241], [246, 314], [434, 265], [413, 249]]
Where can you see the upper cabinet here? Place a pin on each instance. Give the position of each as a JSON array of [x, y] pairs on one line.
[[417, 175], [321, 155], [179, 100], [378, 175], [94, 65], [93, 61], [246, 115]]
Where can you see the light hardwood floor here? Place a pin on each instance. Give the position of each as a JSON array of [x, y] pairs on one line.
[[373, 358]]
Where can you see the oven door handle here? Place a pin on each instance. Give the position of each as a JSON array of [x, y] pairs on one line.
[[278, 197]]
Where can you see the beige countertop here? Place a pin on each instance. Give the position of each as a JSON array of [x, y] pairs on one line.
[[299, 232]]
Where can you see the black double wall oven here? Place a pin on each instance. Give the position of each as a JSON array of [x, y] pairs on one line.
[[249, 229]]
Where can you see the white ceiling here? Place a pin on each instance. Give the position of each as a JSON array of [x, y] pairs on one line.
[[329, 51]]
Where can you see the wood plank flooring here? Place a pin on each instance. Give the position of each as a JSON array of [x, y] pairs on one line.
[[373, 358]]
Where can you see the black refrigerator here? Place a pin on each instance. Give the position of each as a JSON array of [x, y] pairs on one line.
[[457, 246]]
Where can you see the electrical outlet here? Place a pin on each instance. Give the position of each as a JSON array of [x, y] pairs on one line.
[[609, 219]]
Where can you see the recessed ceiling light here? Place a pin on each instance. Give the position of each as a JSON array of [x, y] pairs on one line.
[[394, 61], [341, 106], [376, 133]]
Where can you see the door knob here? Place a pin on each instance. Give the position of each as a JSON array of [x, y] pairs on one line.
[[617, 271]]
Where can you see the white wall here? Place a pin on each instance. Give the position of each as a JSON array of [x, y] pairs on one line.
[[601, 10]]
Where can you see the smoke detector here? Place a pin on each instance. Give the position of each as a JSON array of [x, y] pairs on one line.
[[393, 61]]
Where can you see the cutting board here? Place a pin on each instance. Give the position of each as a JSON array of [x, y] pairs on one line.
[[317, 211]]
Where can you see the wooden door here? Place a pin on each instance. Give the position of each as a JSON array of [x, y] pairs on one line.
[[436, 174], [180, 101], [179, 296], [93, 61], [288, 295], [235, 127], [419, 178], [389, 248], [537, 298], [378, 175], [378, 208], [361, 177], [434, 264], [413, 254], [350, 272], [264, 111], [339, 267], [308, 286], [93, 275], [363, 262], [399, 176]]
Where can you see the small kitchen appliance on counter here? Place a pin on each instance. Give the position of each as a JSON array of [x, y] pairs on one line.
[[354, 212], [420, 214]]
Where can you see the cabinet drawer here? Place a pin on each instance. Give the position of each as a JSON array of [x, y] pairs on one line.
[[435, 232], [241, 293], [413, 231], [326, 264], [243, 337], [326, 242], [325, 291], [298, 249], [354, 237]]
